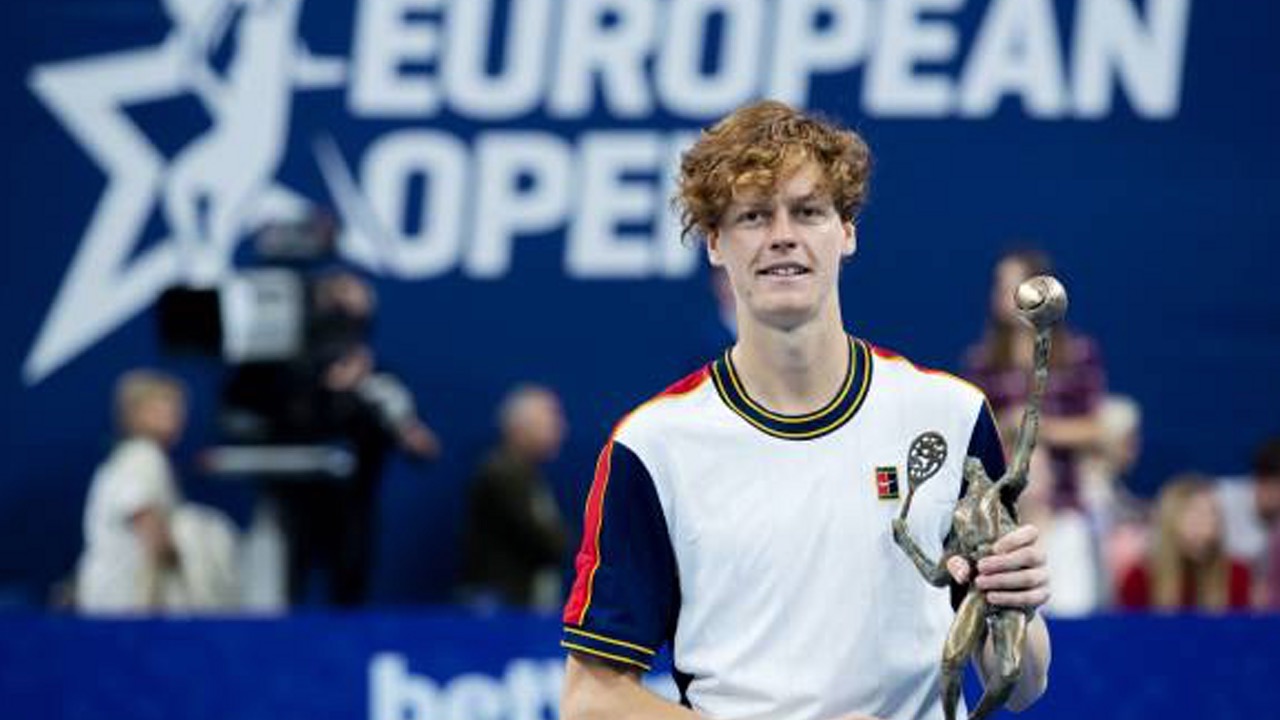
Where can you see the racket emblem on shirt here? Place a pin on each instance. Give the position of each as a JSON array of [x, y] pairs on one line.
[[925, 458]]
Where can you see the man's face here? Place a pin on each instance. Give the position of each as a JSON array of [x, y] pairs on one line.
[[162, 418], [1008, 275], [537, 426], [1199, 528], [782, 251]]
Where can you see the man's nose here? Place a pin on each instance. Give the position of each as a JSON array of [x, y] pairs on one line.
[[782, 231]]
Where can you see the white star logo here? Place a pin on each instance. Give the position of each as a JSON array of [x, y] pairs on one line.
[[215, 190]]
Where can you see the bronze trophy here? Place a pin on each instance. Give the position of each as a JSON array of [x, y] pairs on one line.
[[984, 514]]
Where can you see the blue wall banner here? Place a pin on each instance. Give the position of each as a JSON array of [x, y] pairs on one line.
[[447, 666], [500, 170]]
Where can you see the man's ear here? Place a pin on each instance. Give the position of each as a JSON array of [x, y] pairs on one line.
[[713, 249], [850, 239]]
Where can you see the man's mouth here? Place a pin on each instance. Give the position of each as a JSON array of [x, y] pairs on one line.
[[784, 270]]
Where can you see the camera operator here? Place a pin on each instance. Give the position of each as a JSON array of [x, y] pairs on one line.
[[331, 524], [306, 411]]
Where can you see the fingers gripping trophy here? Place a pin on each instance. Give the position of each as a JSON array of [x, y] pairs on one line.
[[983, 515]]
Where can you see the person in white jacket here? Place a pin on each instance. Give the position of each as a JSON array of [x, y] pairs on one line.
[[146, 551]]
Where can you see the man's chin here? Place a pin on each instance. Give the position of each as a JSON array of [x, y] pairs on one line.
[[786, 316]]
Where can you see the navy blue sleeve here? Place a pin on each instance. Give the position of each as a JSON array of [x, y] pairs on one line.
[[984, 443], [625, 593]]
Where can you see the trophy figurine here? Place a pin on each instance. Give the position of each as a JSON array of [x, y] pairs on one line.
[[984, 514]]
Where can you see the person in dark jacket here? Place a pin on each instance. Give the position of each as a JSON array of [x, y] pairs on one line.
[[515, 536]]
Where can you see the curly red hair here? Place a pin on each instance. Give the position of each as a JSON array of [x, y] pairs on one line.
[[751, 150]]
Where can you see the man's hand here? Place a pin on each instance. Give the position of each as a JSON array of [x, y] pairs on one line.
[[419, 440], [1014, 575]]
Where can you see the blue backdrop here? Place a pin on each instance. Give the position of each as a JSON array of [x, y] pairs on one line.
[[512, 237]]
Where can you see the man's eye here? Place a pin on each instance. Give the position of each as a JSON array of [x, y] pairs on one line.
[[812, 211], [750, 216]]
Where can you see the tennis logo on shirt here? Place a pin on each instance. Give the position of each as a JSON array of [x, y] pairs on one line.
[[925, 458], [887, 482]]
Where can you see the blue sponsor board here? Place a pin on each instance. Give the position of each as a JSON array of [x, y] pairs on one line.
[[442, 666], [501, 172]]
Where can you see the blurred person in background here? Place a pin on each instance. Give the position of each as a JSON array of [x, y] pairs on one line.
[[1119, 519], [1251, 514], [1187, 566], [335, 395], [1125, 546], [146, 551], [1103, 491], [515, 536], [1075, 574], [1000, 365]]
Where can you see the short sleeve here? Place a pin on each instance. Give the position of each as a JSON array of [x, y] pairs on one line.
[[625, 593], [985, 444]]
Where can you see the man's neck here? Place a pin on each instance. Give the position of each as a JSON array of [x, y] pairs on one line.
[[793, 371]]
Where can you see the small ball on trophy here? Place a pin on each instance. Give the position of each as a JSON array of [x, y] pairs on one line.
[[1041, 300]]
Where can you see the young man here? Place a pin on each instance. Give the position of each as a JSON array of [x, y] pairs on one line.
[[744, 515]]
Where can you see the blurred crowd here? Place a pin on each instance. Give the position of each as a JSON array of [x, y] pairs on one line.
[[1204, 543], [315, 432]]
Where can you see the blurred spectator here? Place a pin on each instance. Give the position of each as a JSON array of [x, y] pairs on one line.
[[1001, 362], [1187, 567], [146, 551], [331, 525], [515, 536], [335, 395], [1119, 520], [1102, 471], [1075, 577], [1271, 590], [1251, 511], [1125, 546]]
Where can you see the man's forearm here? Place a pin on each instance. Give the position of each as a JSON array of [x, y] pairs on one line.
[[1036, 654], [595, 690]]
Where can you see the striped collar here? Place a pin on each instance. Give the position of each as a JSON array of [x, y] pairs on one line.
[[831, 417]]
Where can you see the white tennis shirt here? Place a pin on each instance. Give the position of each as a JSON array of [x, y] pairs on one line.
[[759, 545]]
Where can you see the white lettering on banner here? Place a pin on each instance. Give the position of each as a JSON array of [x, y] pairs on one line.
[[616, 214], [596, 75], [895, 85], [524, 185], [515, 90], [1112, 44], [427, 245], [528, 690], [597, 246], [613, 51], [680, 81], [606, 44], [803, 47], [385, 39], [638, 56], [1017, 52]]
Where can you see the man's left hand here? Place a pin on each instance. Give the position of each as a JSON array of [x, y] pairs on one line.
[[1015, 574]]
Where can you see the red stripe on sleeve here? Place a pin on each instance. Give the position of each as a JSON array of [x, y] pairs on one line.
[[588, 559]]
